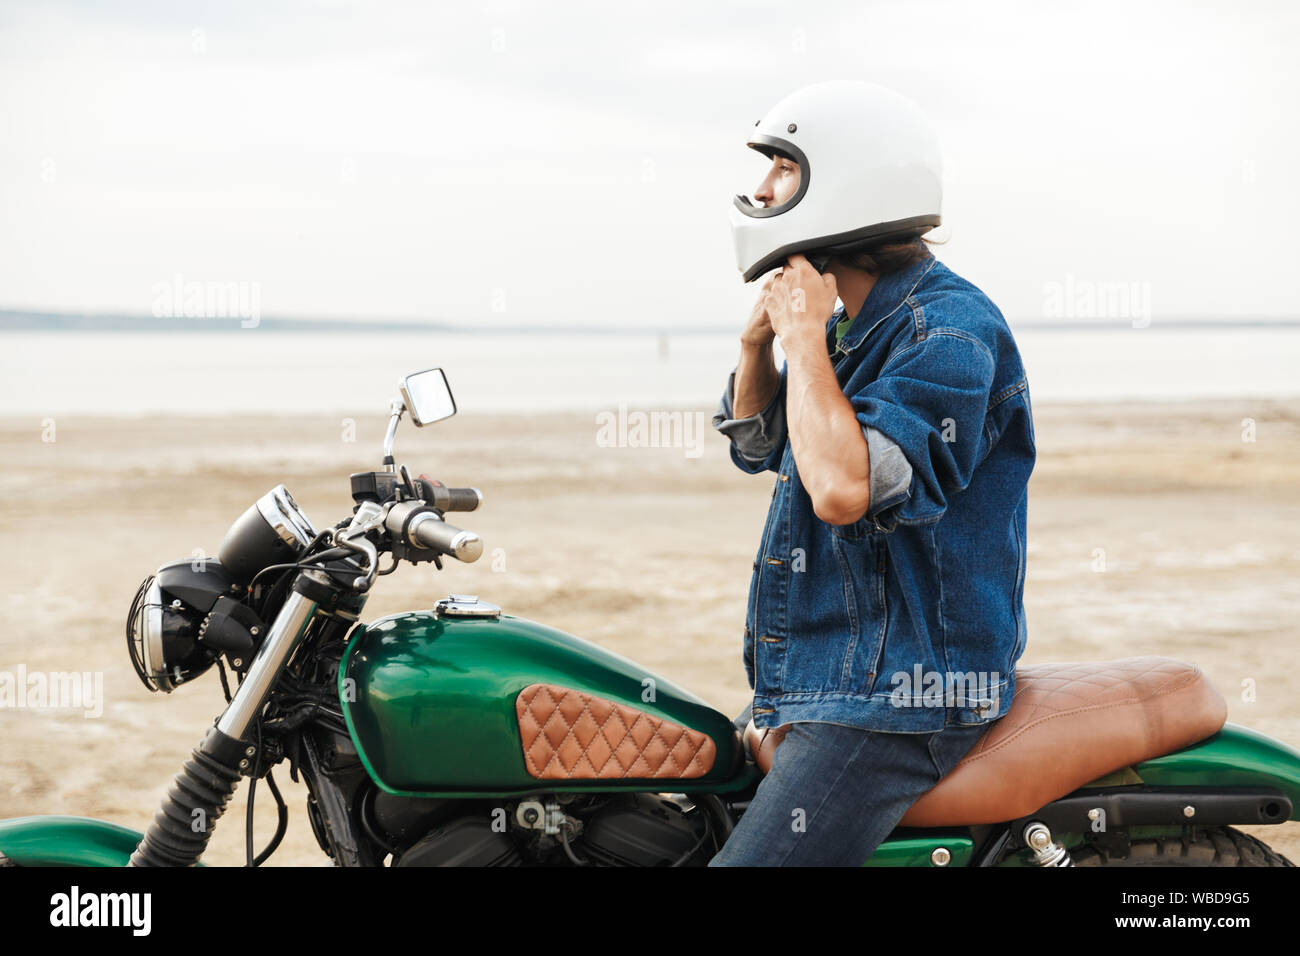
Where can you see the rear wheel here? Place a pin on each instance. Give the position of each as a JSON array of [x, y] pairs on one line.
[[1216, 846]]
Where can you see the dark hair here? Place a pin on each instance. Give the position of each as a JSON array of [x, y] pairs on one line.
[[887, 257]]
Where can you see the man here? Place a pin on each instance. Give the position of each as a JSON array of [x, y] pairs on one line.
[[885, 610]]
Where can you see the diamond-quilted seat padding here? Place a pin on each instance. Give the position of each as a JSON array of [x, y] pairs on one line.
[[571, 735]]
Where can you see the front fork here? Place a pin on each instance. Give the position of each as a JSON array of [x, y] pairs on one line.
[[183, 824]]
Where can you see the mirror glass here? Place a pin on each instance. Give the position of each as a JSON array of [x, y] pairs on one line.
[[428, 396]]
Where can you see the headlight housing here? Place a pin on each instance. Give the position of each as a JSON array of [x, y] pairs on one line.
[[190, 612], [184, 616]]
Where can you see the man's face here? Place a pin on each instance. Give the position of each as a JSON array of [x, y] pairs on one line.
[[780, 184]]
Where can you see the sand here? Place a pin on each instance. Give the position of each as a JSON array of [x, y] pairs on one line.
[[1153, 529]]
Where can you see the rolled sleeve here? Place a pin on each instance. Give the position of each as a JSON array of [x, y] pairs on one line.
[[758, 441], [891, 472], [928, 405]]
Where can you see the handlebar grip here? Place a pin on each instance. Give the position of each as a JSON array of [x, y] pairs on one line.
[[429, 531], [449, 499]]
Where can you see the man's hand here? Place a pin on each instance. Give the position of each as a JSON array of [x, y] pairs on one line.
[[756, 375], [758, 330], [801, 301]]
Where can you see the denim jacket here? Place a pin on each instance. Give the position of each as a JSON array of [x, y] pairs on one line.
[[912, 617]]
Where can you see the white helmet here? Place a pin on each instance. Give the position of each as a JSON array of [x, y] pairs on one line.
[[869, 172]]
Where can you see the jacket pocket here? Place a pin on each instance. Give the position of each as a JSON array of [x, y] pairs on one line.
[[861, 560], [853, 531]]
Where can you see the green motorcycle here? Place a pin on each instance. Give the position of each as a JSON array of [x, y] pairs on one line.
[[465, 736]]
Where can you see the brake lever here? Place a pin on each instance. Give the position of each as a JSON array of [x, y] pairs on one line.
[[367, 518]]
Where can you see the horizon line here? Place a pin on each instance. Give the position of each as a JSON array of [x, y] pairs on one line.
[[31, 320]]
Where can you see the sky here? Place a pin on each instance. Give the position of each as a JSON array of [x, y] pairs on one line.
[[504, 163]]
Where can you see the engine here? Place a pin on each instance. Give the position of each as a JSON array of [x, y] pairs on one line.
[[635, 829]]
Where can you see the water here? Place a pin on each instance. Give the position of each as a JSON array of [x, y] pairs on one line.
[[255, 370]]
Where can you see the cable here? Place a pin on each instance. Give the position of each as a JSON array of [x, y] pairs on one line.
[[311, 563], [708, 828], [225, 685], [564, 841], [252, 791], [365, 811], [282, 827], [281, 810]]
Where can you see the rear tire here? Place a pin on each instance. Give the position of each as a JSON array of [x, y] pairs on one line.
[[1216, 846]]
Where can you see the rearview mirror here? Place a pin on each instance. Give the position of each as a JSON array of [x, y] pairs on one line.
[[428, 396]]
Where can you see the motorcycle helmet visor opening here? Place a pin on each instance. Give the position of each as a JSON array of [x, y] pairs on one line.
[[772, 147]]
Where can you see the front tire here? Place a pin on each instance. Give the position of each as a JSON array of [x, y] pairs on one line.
[[1216, 846]]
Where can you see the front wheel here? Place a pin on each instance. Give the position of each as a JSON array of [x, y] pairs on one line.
[[1216, 846]]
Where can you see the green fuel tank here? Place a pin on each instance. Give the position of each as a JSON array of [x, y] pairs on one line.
[[432, 700]]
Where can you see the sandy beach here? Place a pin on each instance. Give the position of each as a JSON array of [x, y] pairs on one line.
[[1168, 528]]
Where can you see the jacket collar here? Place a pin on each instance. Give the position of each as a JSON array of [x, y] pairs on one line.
[[885, 298]]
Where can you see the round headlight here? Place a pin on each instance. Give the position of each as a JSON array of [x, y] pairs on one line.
[[273, 531], [162, 632]]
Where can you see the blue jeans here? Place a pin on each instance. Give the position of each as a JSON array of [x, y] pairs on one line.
[[834, 792]]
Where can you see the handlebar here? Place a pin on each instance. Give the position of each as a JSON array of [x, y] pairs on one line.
[[383, 486], [419, 526], [430, 531], [448, 499]]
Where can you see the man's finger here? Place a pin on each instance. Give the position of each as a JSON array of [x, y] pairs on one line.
[[797, 261]]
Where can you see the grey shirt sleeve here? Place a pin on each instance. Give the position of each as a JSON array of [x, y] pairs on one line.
[[755, 437], [891, 472]]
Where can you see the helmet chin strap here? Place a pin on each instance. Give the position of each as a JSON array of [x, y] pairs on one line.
[[819, 260]]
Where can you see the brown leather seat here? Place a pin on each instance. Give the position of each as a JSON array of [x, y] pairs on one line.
[[1068, 725]]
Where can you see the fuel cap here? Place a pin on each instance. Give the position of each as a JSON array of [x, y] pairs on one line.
[[465, 605]]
